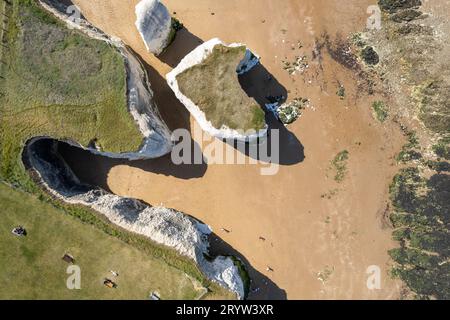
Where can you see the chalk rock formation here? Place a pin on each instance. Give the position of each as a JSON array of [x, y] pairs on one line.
[[164, 226], [157, 136], [196, 57], [154, 24]]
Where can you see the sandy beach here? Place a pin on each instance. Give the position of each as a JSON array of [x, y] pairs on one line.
[[312, 225]]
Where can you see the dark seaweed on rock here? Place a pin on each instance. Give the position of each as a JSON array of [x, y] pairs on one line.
[[421, 223], [393, 6], [370, 56], [406, 15], [340, 51], [420, 194]]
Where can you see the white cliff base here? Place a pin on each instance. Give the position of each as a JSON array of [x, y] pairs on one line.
[[154, 24], [197, 56]]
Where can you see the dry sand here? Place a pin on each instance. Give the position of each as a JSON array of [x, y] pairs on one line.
[[305, 233]]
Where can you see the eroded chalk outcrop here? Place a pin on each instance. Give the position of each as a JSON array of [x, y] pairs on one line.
[[197, 57], [164, 226], [157, 136], [154, 24]]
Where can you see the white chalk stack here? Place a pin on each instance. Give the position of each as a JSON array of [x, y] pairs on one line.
[[195, 57], [154, 24]]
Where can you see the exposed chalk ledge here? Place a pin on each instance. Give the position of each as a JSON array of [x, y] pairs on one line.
[[197, 56]]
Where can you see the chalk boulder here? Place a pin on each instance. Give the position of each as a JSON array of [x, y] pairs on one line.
[[233, 100], [154, 24]]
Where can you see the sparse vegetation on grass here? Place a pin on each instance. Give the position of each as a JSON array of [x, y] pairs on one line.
[[406, 15], [380, 110], [214, 87], [433, 100], [438, 166], [339, 164], [358, 40]]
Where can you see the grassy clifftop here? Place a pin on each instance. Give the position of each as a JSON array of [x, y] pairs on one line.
[[214, 87], [60, 83], [32, 267]]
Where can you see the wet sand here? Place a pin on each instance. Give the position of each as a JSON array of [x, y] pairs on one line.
[[305, 232]]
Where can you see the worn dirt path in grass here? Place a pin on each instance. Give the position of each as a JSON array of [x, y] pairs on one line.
[[305, 232]]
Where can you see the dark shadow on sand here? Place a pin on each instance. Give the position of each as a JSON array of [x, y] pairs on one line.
[[261, 85], [290, 149], [62, 180], [183, 44], [93, 169], [261, 287], [258, 83]]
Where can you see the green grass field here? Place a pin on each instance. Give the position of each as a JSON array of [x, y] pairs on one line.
[[58, 82], [214, 87], [32, 268]]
